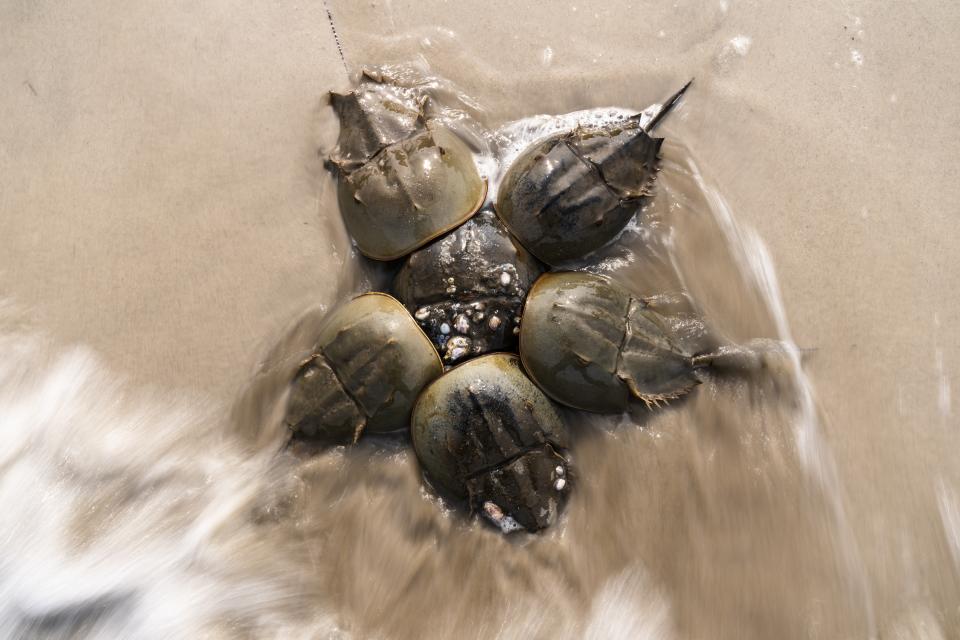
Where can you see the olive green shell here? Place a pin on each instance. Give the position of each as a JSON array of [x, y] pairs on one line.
[[589, 344], [486, 433], [372, 117], [412, 192], [572, 193], [370, 363], [403, 180], [466, 290]]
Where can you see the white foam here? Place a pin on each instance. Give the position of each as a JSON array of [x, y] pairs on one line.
[[943, 384], [629, 607], [112, 505], [741, 44]]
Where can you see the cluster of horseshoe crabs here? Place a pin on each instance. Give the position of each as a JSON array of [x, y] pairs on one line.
[[472, 292]]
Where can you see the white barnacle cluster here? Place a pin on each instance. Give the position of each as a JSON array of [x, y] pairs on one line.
[[457, 347], [464, 329], [507, 279], [560, 480], [461, 345]]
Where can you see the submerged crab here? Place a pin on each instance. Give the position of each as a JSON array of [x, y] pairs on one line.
[[487, 431], [484, 432]]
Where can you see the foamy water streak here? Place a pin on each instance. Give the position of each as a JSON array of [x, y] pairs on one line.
[[949, 507], [755, 263]]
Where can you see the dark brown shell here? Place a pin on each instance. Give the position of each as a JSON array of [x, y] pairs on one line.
[[466, 290], [485, 433], [572, 193]]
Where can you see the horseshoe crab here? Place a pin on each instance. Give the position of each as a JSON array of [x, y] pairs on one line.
[[466, 290], [370, 363], [485, 433], [574, 192], [590, 344], [403, 179]]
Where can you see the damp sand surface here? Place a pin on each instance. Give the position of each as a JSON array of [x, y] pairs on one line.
[[168, 231]]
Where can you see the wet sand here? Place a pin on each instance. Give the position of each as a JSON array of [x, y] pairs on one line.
[[164, 203]]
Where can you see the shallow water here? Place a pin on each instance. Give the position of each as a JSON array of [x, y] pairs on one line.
[[821, 502]]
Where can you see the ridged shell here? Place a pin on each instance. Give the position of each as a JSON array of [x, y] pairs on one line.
[[370, 363], [403, 179], [485, 432], [589, 344], [410, 193], [372, 117], [572, 193]]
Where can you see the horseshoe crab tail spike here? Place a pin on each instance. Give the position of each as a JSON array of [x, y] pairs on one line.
[[667, 107], [753, 357]]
